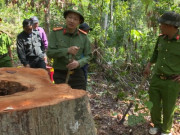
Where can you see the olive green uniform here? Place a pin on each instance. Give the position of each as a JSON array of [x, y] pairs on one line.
[[163, 89], [59, 42], [5, 42]]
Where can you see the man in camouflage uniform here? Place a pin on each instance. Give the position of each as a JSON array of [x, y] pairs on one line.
[[5, 50], [67, 45], [30, 48], [165, 83]]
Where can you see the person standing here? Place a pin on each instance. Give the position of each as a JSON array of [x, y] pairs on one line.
[[165, 84], [41, 32], [85, 27], [67, 44], [30, 48], [5, 50]]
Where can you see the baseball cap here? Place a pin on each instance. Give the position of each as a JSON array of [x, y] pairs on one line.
[[85, 26], [34, 19]]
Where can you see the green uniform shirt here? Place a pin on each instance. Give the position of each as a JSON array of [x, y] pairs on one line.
[[59, 42], [5, 42], [166, 55]]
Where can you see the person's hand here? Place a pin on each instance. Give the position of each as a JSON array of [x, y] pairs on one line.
[[177, 78], [147, 70], [72, 65], [45, 59], [73, 50]]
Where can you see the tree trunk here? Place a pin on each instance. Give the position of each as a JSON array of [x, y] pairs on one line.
[[32, 105], [47, 17], [112, 6]]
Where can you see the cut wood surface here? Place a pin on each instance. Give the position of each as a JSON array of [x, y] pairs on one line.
[[31, 105]]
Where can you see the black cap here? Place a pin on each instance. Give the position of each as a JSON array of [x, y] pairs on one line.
[[85, 26], [170, 18], [74, 11]]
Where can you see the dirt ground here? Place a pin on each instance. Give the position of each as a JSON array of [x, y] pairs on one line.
[[107, 112]]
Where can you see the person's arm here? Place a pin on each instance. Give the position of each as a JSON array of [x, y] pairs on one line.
[[147, 69], [44, 39], [9, 52], [43, 48], [21, 52], [9, 48], [153, 60], [87, 53]]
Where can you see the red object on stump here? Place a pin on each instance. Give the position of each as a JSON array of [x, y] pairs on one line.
[[50, 72]]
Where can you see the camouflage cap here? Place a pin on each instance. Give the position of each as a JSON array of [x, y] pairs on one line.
[[74, 10], [170, 18]]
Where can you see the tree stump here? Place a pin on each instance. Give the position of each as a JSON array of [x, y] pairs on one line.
[[31, 105]]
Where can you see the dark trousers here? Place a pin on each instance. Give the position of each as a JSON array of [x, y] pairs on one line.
[[37, 62], [85, 70], [76, 79]]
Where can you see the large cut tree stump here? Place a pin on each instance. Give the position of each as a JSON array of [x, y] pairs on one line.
[[31, 105]]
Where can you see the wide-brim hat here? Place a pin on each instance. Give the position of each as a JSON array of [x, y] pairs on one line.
[[170, 18], [74, 11]]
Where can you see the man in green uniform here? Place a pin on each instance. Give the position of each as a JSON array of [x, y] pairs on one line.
[[165, 83], [70, 49], [5, 50]]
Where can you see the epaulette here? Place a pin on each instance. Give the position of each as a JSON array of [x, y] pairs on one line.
[[83, 32], [57, 28]]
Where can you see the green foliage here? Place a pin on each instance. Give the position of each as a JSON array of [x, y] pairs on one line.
[[121, 95], [134, 120], [2, 3]]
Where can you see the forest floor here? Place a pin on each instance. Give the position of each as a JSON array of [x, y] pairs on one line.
[[107, 111]]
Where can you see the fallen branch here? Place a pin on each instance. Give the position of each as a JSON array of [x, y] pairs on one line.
[[132, 102]]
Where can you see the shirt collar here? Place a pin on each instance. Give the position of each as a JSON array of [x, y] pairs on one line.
[[66, 32], [175, 37]]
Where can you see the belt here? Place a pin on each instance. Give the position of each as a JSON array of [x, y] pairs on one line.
[[163, 77], [1, 56]]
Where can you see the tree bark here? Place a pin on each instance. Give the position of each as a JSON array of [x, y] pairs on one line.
[[47, 17], [32, 105]]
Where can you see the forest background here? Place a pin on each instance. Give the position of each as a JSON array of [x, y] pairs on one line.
[[123, 38]]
